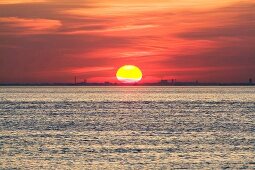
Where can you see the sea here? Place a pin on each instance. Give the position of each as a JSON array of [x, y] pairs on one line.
[[127, 127]]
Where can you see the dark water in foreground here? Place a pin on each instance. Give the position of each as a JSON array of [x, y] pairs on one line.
[[127, 127]]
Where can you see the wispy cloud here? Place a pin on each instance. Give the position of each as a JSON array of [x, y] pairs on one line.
[[134, 7], [84, 70], [111, 30], [14, 25], [20, 1]]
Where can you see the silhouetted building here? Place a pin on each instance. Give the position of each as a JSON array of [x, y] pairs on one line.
[[173, 81], [164, 82], [107, 83]]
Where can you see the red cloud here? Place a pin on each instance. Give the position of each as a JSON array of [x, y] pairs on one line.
[[14, 25]]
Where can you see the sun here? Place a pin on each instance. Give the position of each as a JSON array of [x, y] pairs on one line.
[[129, 74]]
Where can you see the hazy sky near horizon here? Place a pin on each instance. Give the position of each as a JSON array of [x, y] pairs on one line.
[[54, 40]]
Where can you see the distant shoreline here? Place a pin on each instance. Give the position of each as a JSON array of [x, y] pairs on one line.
[[118, 85]]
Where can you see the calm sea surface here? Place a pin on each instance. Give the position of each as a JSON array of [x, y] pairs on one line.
[[127, 127]]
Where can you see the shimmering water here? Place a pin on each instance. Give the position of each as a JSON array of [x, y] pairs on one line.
[[127, 127]]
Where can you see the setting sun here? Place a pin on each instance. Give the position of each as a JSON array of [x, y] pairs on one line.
[[129, 74]]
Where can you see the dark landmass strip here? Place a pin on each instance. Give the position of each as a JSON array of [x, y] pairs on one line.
[[161, 83]]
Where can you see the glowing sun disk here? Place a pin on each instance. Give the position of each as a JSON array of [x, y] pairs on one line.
[[129, 74]]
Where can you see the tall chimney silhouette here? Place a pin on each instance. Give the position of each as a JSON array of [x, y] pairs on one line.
[[250, 80]]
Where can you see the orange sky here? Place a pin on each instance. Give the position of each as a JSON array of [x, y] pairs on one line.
[[54, 40]]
